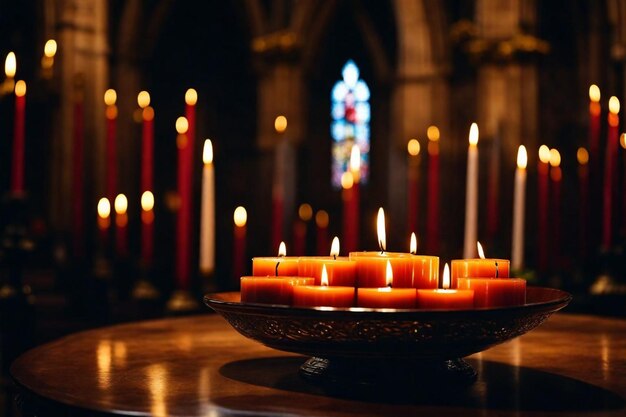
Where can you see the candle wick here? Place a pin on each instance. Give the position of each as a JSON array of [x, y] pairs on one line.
[[277, 263], [335, 257], [497, 271]]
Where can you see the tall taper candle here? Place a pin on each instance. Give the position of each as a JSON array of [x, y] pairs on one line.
[[583, 197], [556, 175], [17, 173], [240, 217], [147, 228], [471, 195], [147, 141], [610, 173], [432, 207], [413, 148], [543, 210], [519, 202], [207, 214], [278, 184], [183, 232], [110, 97]]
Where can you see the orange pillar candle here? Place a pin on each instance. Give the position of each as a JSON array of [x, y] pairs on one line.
[[323, 295], [495, 292], [275, 266], [341, 270], [425, 268], [445, 298], [270, 290], [479, 268], [386, 297]]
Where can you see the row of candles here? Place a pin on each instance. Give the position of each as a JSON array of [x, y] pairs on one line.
[[381, 280]]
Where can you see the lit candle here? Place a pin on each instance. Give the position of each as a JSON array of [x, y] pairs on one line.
[[183, 252], [271, 290], [121, 223], [622, 142], [47, 60], [413, 149], [321, 225], [481, 267], [555, 177], [386, 297], [432, 203], [583, 195], [495, 292], [10, 68], [594, 124], [17, 168], [280, 126], [104, 221], [519, 204], [341, 270], [425, 272], [240, 217], [610, 172], [354, 211], [187, 200], [147, 141], [110, 97], [445, 298], [305, 213], [323, 295], [347, 197], [371, 266], [543, 189], [471, 194], [282, 265], [147, 228], [207, 213]]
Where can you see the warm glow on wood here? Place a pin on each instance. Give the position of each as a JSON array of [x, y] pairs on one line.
[[191, 97], [347, 180], [121, 204], [388, 275], [10, 65], [555, 158], [305, 212], [481, 252], [522, 157], [280, 124], [544, 154], [207, 152], [432, 133], [445, 282], [50, 48], [413, 147], [20, 88], [380, 228], [182, 125], [104, 208], [143, 99], [614, 105], [110, 97], [282, 249], [334, 247], [147, 201], [594, 93], [473, 134], [321, 219], [324, 279], [413, 244], [583, 156], [240, 216]]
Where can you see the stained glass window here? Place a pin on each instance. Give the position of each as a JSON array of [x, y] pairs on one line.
[[350, 112]]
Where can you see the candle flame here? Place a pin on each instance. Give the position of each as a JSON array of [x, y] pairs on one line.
[[380, 228], [594, 93], [121, 204], [446, 277], [473, 134], [10, 65], [305, 212], [104, 208], [282, 249], [614, 105], [50, 48], [191, 97], [347, 180], [334, 247], [413, 147], [324, 280], [147, 201], [321, 219], [583, 156], [182, 125], [544, 154], [622, 140], [413, 244], [110, 97], [432, 133], [280, 124], [355, 162], [522, 157], [481, 252], [555, 158], [20, 88], [389, 274], [207, 152], [143, 99], [240, 216]]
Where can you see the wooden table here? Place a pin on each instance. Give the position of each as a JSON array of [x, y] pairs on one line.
[[572, 365]]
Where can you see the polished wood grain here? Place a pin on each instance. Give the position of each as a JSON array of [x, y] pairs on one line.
[[199, 366]]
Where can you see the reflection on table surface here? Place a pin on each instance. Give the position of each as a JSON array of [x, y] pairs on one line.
[[201, 366]]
